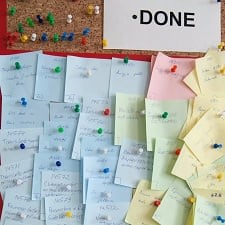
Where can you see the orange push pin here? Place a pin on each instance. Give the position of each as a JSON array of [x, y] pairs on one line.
[[220, 176], [157, 203], [173, 69], [221, 46], [177, 152]]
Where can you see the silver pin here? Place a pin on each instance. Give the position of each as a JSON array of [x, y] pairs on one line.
[[68, 187], [59, 148], [18, 181]]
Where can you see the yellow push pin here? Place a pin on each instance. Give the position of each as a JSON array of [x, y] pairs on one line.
[[24, 38], [68, 214], [104, 43], [220, 176], [222, 71], [191, 199], [221, 45], [90, 9]]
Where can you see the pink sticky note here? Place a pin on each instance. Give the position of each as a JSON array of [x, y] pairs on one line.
[[167, 78]]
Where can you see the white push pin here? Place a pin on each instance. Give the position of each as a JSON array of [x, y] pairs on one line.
[[103, 150], [107, 217], [59, 148], [69, 19], [18, 181], [23, 216], [88, 73], [33, 37], [96, 10], [222, 115], [140, 151], [68, 187], [106, 194], [142, 112]]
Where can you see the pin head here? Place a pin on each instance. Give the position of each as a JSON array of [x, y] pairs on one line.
[[191, 199], [106, 170], [60, 148], [68, 187], [173, 69], [140, 151], [217, 145], [68, 214], [157, 202], [17, 65], [18, 181], [23, 216], [57, 69], [77, 108], [22, 146], [60, 130], [100, 130], [165, 115], [177, 151], [220, 176], [126, 60], [58, 163], [106, 112]]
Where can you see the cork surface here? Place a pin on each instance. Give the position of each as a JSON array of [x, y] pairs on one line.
[[60, 9]]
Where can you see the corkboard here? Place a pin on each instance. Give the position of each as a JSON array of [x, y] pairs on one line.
[[78, 9]]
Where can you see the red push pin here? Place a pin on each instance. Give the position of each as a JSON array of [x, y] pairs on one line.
[[177, 152], [106, 112], [157, 203], [83, 40], [173, 69]]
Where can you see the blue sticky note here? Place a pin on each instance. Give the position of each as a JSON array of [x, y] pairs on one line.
[[16, 115], [15, 174], [46, 161], [55, 183], [50, 78], [91, 125], [99, 190], [101, 106], [57, 207], [64, 111], [18, 82], [133, 159], [98, 167], [86, 77], [98, 146], [18, 144], [130, 78]]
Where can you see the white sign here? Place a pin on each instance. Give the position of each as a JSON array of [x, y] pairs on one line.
[[162, 25]]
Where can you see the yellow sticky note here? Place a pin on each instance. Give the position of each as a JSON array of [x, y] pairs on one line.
[[186, 164], [208, 131], [129, 118], [142, 205]]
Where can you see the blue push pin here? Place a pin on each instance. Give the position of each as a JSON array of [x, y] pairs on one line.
[[217, 145], [44, 37], [64, 36], [23, 101], [71, 36], [86, 31], [40, 20], [106, 170], [22, 146], [58, 163]]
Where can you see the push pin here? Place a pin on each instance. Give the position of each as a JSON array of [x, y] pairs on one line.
[[100, 130], [164, 115], [88, 73], [220, 218], [23, 216], [142, 112], [44, 37], [24, 38], [60, 129], [86, 31], [191, 199], [68, 187], [39, 18], [173, 69], [12, 11], [220, 176], [125, 60], [96, 10], [177, 152], [57, 69], [18, 181], [77, 108], [68, 214], [83, 40], [106, 194], [140, 151], [221, 46], [104, 43], [103, 151], [23, 101], [106, 170], [33, 37], [64, 36], [71, 36], [17, 65], [106, 112], [217, 145], [30, 22], [22, 146], [222, 71], [90, 9], [157, 203], [60, 148], [58, 163], [106, 217], [55, 38], [69, 18]]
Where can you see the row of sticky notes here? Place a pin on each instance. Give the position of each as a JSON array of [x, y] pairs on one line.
[[106, 141]]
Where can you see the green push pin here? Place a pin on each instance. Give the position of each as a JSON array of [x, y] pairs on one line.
[[60, 130], [100, 130], [52, 21], [125, 60], [165, 115], [49, 16], [17, 65], [77, 108], [20, 28], [57, 69], [12, 11], [55, 37], [30, 22]]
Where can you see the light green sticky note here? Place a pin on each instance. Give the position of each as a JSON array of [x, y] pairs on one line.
[[174, 207], [206, 212], [165, 156], [129, 118], [164, 119]]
